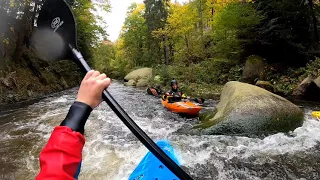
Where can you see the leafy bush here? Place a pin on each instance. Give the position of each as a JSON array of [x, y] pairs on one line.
[[232, 27], [103, 56]]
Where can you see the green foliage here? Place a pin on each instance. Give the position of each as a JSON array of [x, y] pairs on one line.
[[181, 22], [89, 31], [287, 34], [120, 65], [212, 71], [155, 15], [103, 55], [312, 68], [231, 28], [208, 41], [286, 80], [181, 30], [134, 36]]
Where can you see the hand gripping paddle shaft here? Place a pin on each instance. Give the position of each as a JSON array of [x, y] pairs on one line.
[[57, 39], [135, 129]]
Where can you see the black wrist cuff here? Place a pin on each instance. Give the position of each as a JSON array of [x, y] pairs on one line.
[[77, 116]]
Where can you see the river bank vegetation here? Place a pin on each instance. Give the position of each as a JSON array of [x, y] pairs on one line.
[[202, 43], [206, 43], [23, 75]]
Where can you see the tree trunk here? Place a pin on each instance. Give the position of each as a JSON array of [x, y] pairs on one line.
[[171, 52], [35, 11], [21, 32], [186, 41], [166, 50], [201, 20], [314, 19]]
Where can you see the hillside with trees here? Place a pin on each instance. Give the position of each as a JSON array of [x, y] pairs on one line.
[[206, 43]]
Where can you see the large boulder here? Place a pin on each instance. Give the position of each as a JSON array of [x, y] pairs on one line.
[[265, 85], [142, 82], [317, 81], [250, 110], [130, 83], [143, 73], [253, 68], [308, 89]]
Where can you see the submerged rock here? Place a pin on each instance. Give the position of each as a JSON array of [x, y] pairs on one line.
[[248, 109], [130, 83], [142, 82]]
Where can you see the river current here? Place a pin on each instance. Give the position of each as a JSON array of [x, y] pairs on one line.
[[112, 152]]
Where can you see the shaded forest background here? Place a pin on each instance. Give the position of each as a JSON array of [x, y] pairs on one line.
[[206, 43], [202, 43]]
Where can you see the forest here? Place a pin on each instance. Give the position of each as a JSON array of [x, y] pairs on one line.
[[206, 43], [202, 43], [228, 89]]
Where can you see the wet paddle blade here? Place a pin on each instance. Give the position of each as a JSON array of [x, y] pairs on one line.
[[56, 29]]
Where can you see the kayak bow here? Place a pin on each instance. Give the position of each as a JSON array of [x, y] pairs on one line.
[[150, 168]]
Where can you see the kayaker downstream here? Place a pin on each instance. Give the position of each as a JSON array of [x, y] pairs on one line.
[[62, 156], [175, 93]]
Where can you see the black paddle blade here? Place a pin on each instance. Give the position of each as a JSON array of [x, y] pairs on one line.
[[56, 30]]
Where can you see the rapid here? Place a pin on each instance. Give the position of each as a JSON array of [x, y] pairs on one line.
[[112, 151]]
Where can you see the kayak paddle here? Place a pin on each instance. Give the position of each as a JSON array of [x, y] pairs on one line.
[[56, 39], [154, 91]]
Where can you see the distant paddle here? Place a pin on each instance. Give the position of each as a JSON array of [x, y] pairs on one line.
[[159, 93], [56, 39]]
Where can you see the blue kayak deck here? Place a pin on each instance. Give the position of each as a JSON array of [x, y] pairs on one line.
[[151, 168]]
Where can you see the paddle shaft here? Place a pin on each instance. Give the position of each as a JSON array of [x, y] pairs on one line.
[[134, 128]]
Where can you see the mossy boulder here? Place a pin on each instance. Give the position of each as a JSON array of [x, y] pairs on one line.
[[143, 73], [130, 83], [248, 109], [308, 89], [206, 115], [142, 82], [139, 77], [253, 68], [317, 81], [265, 85]]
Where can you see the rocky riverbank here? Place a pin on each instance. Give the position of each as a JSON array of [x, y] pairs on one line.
[[37, 79]]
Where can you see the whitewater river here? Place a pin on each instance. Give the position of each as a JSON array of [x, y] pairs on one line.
[[112, 152]]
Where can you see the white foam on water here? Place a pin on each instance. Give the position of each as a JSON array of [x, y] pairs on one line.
[[190, 150], [62, 99], [112, 152]]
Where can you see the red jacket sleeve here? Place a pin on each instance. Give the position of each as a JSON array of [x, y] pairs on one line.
[[62, 155]]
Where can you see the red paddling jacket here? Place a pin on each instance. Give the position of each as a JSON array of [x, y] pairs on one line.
[[61, 157]]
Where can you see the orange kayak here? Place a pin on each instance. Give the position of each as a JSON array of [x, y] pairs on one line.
[[182, 107]]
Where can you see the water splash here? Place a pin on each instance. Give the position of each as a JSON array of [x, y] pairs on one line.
[[112, 152]]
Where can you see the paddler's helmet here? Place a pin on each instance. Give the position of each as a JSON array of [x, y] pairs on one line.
[[173, 81]]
